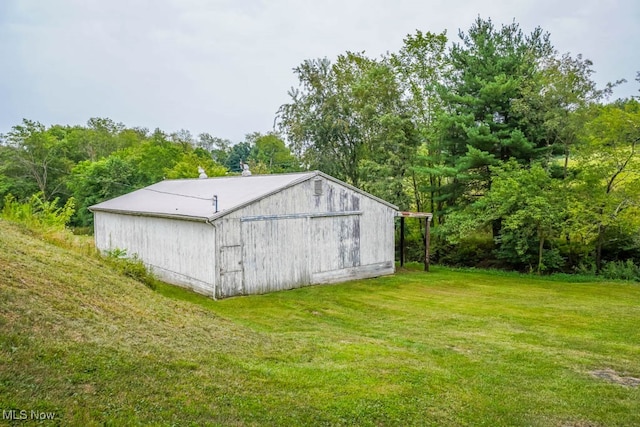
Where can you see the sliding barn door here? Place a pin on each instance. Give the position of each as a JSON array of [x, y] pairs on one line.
[[275, 254]]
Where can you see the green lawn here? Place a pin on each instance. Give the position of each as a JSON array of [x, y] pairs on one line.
[[440, 348]]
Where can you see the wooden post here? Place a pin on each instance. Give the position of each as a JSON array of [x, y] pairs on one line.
[[401, 241], [427, 242]]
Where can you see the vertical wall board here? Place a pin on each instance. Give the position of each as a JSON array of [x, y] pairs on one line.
[[231, 271], [324, 255], [376, 233], [339, 248], [275, 255], [336, 243], [230, 268], [292, 200], [349, 237], [179, 252]]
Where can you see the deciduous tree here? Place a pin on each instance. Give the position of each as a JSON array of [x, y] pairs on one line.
[[606, 193]]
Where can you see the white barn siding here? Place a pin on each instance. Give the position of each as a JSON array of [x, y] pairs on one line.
[[275, 254], [294, 234], [377, 238], [338, 239], [297, 237], [229, 276], [179, 252]]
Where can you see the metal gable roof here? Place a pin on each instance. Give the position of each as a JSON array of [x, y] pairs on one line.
[[192, 199]]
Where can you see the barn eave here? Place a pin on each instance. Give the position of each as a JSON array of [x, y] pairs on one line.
[[152, 214]]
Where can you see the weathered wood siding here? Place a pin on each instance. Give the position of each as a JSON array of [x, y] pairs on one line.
[[312, 233], [317, 231], [179, 252], [230, 271], [275, 254], [338, 240]]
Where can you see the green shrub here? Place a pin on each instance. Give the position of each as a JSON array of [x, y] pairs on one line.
[[587, 268], [37, 213], [471, 251], [519, 252], [132, 267], [622, 270]]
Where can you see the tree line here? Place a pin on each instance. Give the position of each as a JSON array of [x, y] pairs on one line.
[[105, 159], [525, 163], [521, 158]]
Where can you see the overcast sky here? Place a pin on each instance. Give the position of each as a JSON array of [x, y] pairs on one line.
[[225, 66]]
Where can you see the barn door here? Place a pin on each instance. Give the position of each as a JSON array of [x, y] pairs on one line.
[[231, 270], [229, 258], [337, 241], [275, 254]]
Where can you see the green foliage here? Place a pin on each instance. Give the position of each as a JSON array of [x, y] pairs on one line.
[[606, 192], [94, 182], [38, 155], [271, 152], [384, 174], [100, 138], [316, 124], [472, 250], [12, 175], [492, 70], [420, 66], [348, 119], [38, 213], [622, 270], [413, 239], [237, 153], [529, 206], [524, 253], [131, 266], [187, 167], [153, 157]]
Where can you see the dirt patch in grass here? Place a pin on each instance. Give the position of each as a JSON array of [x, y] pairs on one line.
[[614, 377], [579, 423]]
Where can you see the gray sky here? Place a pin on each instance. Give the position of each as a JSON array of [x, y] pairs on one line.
[[224, 67]]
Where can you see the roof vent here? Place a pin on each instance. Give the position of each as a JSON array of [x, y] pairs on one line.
[[317, 187], [245, 169], [203, 174]]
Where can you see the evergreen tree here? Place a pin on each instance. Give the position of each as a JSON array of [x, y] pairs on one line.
[[492, 71]]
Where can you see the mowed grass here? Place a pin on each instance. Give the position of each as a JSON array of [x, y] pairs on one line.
[[440, 348]]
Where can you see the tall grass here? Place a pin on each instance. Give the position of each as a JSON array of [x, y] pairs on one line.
[[38, 213], [49, 220], [131, 266]]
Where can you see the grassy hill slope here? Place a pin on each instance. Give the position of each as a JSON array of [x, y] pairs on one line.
[[444, 348], [82, 341]]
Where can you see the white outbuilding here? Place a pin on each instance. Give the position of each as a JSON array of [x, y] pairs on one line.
[[251, 234]]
